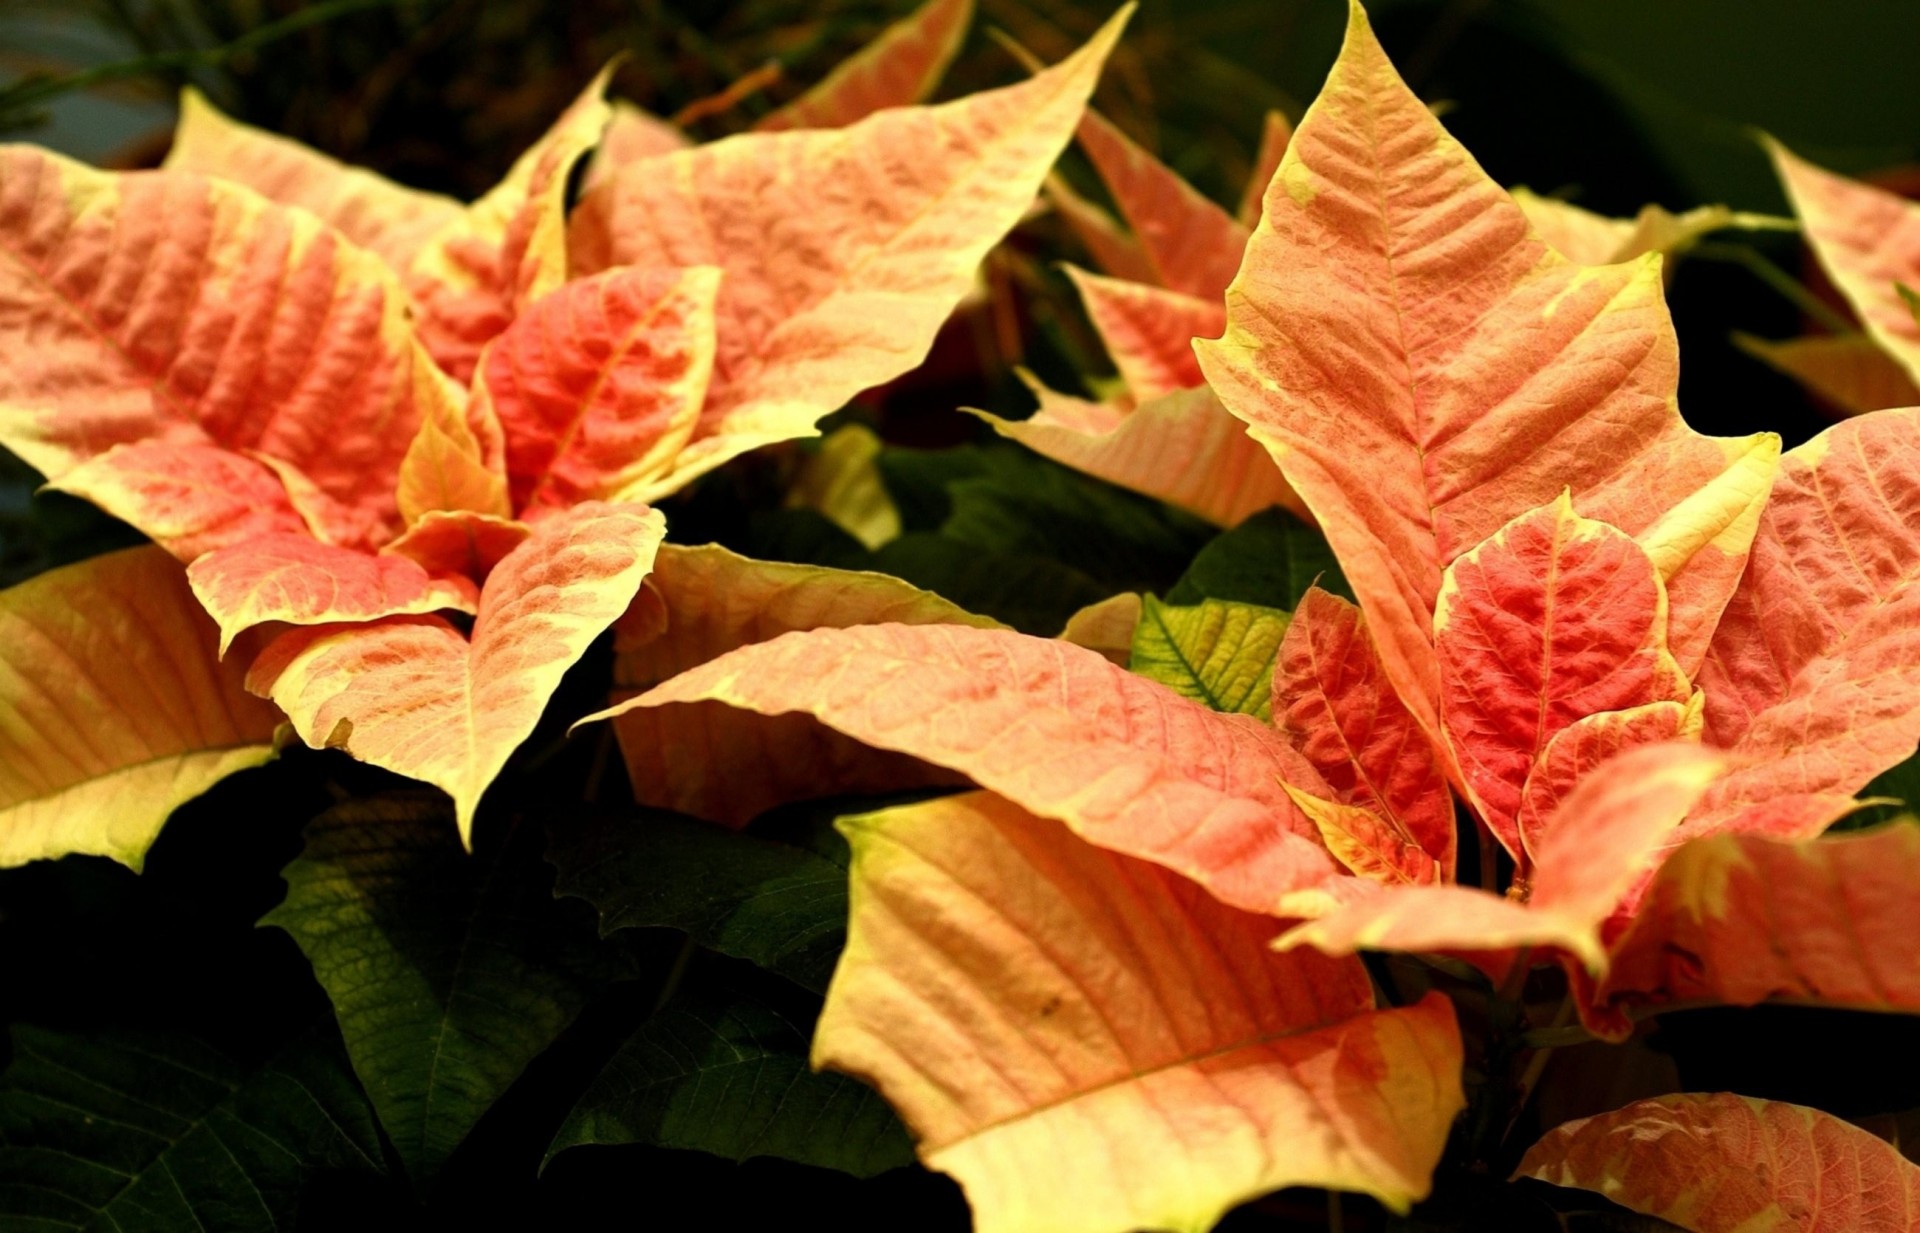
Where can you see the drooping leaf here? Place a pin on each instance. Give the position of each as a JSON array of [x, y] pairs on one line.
[[1720, 1163], [1867, 240], [1742, 919], [1849, 371], [299, 580], [114, 708], [1553, 619], [1148, 332], [1276, 133], [1813, 679], [1332, 700], [163, 1134], [1191, 244], [448, 972], [1181, 447], [418, 697], [777, 905], [1424, 368], [164, 307], [1126, 762], [729, 1075], [598, 386], [385, 218], [821, 302], [1606, 835], [189, 499], [507, 249], [1272, 558], [710, 760], [1089, 1042], [1217, 652], [902, 66]]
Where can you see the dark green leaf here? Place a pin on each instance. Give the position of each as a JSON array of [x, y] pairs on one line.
[[1217, 652], [774, 904], [1900, 783], [729, 1075], [1033, 594], [448, 972], [1271, 559], [149, 1133]]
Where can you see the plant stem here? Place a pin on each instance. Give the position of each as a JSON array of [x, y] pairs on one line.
[[1778, 279]]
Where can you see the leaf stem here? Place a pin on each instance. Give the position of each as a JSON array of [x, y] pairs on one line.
[[1786, 284]]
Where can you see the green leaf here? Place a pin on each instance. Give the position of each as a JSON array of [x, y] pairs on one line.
[[729, 1075], [1271, 559], [1034, 594], [126, 1132], [774, 904], [1217, 652], [448, 972], [1901, 783]]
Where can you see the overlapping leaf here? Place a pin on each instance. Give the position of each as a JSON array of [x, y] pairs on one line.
[[902, 66], [1331, 698], [1741, 919], [163, 1134], [506, 250], [1124, 761], [1089, 1042], [1868, 239], [1588, 238], [114, 708], [1216, 652], [1553, 619], [447, 973], [1424, 368], [385, 218], [161, 307], [1605, 836], [1813, 680], [1191, 245], [418, 697], [599, 385], [708, 759], [821, 302], [1720, 1163], [1850, 371]]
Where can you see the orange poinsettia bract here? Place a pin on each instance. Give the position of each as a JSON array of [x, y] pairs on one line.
[[1614, 639], [469, 414]]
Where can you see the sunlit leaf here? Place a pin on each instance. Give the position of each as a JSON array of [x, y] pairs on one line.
[[1192, 245], [598, 386], [1424, 368], [448, 973], [114, 709], [1148, 332], [1126, 762], [1813, 680], [385, 218], [1741, 919], [189, 499], [448, 542], [1089, 1042], [843, 250], [456, 462], [507, 249], [1331, 698], [1580, 748], [1216, 652], [122, 1131], [729, 1075], [299, 580], [1720, 1163], [1609, 831], [1868, 240], [1107, 627], [709, 759], [420, 698], [1553, 619], [633, 135], [902, 66], [1850, 371], [163, 307]]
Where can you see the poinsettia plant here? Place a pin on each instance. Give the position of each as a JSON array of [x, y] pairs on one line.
[[1428, 697]]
